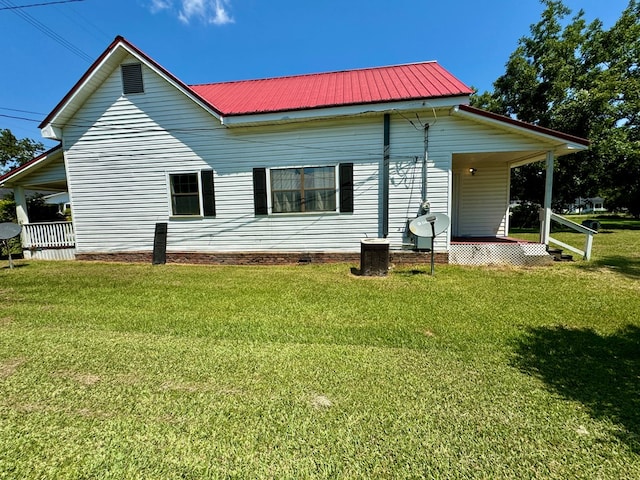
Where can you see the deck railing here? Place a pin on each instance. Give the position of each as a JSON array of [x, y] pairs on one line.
[[589, 233], [48, 235]]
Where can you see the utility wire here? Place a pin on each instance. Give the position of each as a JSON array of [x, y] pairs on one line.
[[17, 7], [47, 31], [13, 117], [21, 111], [85, 24]]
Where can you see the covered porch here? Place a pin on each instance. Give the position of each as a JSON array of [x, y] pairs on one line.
[[480, 190], [41, 240]]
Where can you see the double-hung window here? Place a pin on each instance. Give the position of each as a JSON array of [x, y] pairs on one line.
[[192, 194], [310, 189], [303, 189]]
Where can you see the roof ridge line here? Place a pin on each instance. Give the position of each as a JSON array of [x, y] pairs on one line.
[[314, 74]]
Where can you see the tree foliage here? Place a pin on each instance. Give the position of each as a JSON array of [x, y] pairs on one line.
[[14, 152], [584, 80]]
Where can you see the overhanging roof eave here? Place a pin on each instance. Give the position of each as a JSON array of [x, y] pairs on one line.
[[563, 142], [284, 116], [11, 177]]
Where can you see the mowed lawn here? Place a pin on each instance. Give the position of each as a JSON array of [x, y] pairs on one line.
[[138, 371]]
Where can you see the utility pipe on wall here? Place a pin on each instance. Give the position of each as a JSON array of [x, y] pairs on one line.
[[425, 163], [385, 177]]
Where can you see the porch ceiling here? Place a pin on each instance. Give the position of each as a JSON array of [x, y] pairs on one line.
[[510, 158], [49, 186]]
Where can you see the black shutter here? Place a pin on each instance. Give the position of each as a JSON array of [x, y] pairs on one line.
[[208, 193], [260, 191], [346, 187], [160, 244]]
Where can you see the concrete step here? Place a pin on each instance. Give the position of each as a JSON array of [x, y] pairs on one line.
[[559, 255]]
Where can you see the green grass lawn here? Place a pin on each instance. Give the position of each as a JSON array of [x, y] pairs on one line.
[[139, 371]]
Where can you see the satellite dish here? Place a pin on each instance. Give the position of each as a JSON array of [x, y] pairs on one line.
[[421, 226], [9, 230]]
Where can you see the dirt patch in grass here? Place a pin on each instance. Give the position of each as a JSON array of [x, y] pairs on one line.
[[193, 387], [321, 402], [87, 379], [6, 321], [8, 367]]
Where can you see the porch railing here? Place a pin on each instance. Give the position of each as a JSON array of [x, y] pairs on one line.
[[48, 235], [588, 232]]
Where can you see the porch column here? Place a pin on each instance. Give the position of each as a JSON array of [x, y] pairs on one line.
[[21, 205], [545, 227]]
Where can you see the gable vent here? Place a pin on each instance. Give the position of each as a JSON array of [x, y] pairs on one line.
[[132, 78]]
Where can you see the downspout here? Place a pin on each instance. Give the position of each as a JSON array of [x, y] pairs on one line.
[[385, 177]]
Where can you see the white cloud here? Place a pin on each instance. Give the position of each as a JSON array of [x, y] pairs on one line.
[[207, 11], [158, 5], [222, 16]]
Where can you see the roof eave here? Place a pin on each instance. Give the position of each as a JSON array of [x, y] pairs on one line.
[[565, 143], [323, 112], [9, 178]]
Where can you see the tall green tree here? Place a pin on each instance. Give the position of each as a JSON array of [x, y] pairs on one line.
[[15, 152], [583, 80]]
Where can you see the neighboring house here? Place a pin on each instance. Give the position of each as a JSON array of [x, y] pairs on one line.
[[277, 169], [588, 205], [61, 200]]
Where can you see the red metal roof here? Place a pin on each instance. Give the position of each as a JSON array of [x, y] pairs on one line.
[[352, 87]]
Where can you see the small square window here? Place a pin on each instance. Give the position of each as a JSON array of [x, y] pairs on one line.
[[192, 194], [185, 195]]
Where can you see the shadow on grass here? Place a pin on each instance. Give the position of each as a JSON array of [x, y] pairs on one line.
[[612, 222], [629, 267], [601, 372], [15, 265]]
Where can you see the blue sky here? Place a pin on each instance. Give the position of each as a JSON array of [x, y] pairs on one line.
[[46, 49]]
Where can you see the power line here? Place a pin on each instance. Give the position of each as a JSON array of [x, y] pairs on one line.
[[21, 111], [17, 7], [47, 31], [85, 24], [14, 117]]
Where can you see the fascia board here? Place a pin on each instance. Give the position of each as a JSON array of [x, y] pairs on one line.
[[292, 116], [558, 144], [30, 167]]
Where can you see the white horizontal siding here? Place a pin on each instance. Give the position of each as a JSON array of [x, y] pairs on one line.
[[120, 149], [407, 151], [483, 201]]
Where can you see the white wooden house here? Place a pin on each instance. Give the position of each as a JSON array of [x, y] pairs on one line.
[[279, 169]]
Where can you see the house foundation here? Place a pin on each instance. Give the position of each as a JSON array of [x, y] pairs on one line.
[[262, 258]]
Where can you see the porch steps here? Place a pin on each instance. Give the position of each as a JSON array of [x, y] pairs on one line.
[[559, 255]]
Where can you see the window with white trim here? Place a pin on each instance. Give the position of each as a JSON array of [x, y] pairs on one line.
[[309, 189], [303, 189], [192, 194]]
